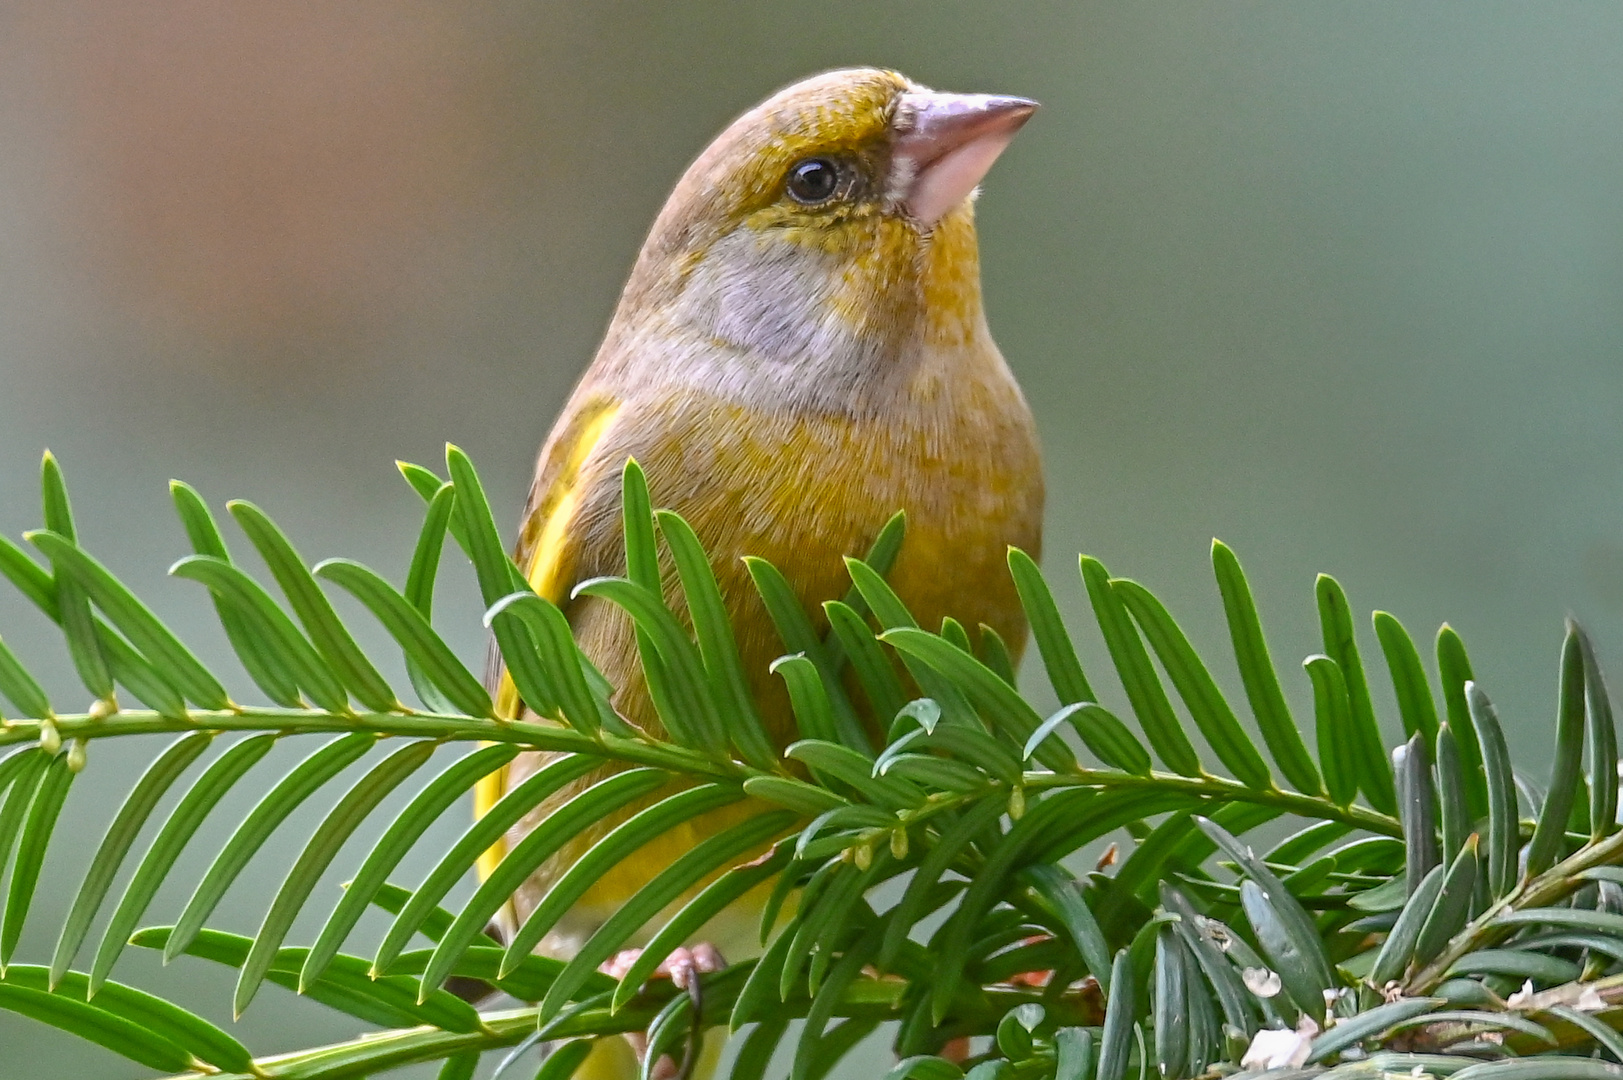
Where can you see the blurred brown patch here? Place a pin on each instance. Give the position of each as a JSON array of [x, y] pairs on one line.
[[265, 171]]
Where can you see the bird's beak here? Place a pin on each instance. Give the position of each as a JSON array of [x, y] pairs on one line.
[[943, 144]]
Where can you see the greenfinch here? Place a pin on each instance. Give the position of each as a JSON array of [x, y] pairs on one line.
[[799, 353]]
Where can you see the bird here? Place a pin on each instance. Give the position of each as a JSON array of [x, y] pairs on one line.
[[800, 351]]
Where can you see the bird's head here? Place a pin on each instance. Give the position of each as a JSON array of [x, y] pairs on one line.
[[830, 225]]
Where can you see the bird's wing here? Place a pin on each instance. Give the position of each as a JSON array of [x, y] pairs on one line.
[[548, 551]]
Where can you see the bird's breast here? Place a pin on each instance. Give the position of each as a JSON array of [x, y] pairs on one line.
[[804, 489]]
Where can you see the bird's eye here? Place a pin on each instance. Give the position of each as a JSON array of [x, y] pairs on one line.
[[814, 181]]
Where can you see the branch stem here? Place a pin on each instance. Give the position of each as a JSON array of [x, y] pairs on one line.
[[376, 1052], [558, 739], [1216, 787], [450, 728], [1553, 885]]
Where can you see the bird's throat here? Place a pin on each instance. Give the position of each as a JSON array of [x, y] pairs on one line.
[[950, 281]]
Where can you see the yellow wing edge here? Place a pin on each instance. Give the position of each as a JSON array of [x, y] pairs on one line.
[[547, 570]]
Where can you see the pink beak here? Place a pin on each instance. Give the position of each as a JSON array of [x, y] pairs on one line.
[[945, 143]]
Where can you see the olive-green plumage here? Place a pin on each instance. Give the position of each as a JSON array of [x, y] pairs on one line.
[[800, 352]]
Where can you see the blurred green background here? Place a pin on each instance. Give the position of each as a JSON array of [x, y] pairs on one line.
[[1338, 283]]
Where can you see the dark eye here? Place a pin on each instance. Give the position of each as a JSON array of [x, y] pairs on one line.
[[813, 181]]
